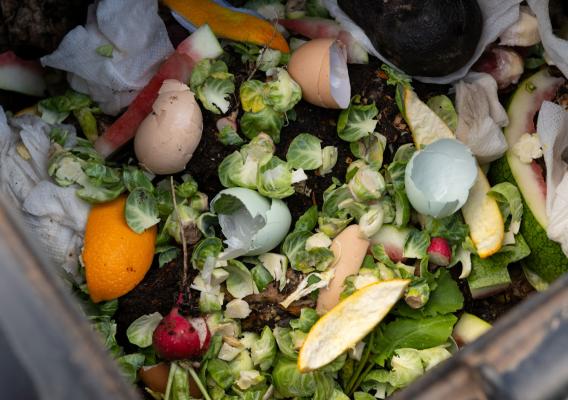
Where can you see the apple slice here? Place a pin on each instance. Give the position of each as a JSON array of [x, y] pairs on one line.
[[22, 76]]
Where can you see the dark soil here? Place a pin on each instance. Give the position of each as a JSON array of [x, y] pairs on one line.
[[33, 28]]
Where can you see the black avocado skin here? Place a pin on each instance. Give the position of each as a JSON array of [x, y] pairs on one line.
[[421, 37]]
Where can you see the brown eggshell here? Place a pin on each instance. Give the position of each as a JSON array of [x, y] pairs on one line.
[[310, 66], [155, 377], [349, 249], [168, 136]]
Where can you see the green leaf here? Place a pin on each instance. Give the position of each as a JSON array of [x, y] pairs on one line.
[[267, 120], [141, 210], [451, 228], [331, 200], [284, 341], [167, 254], [357, 121], [140, 331], [187, 188], [58, 135], [66, 103], [510, 203], [363, 396], [308, 317], [308, 220], [106, 328], [220, 372], [396, 77], [261, 277], [130, 364], [88, 123], [208, 247], [180, 383], [199, 74], [416, 244], [274, 179], [263, 351], [305, 152], [229, 136], [413, 333], [445, 299], [214, 94], [134, 178], [282, 93], [240, 282], [252, 96], [290, 382], [105, 50]]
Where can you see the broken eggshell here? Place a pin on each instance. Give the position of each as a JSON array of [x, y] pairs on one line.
[[168, 136], [320, 68], [251, 223], [438, 178]]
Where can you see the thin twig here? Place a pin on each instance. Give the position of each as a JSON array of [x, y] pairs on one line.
[[263, 50], [184, 283]]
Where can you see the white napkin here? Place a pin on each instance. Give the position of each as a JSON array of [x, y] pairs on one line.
[[140, 43], [54, 214], [552, 129], [555, 47], [498, 15], [481, 117]]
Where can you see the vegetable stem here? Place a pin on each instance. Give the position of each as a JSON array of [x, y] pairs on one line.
[[352, 382], [198, 382], [170, 380]]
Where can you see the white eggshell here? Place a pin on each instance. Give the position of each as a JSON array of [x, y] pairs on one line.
[[278, 221], [168, 136], [439, 177], [275, 213]]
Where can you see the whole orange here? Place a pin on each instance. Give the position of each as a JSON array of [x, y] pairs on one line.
[[115, 257]]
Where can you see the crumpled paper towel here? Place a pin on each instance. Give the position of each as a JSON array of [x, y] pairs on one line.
[[55, 214], [498, 15], [140, 43], [481, 116], [552, 129], [555, 47]]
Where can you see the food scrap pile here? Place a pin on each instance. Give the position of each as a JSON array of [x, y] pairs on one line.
[[293, 201]]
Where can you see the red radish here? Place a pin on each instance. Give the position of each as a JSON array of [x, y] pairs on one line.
[[178, 337], [21, 76], [317, 28], [504, 64], [199, 45], [440, 252]]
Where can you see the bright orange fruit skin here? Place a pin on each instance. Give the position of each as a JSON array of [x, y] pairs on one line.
[[116, 258]]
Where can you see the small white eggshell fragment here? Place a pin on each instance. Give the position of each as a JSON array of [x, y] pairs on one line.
[[168, 136], [349, 249], [254, 228], [320, 68], [439, 177]]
